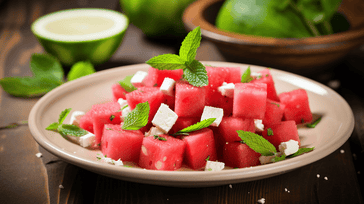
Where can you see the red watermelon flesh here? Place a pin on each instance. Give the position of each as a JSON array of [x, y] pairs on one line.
[[107, 113], [86, 122], [160, 154], [118, 92], [239, 155], [229, 126], [155, 76], [297, 106], [216, 76], [219, 142], [190, 100], [117, 143], [234, 75], [183, 122], [250, 100], [282, 132], [274, 113], [267, 79], [200, 146]]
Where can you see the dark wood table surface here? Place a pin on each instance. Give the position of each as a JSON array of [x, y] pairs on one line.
[[25, 178]]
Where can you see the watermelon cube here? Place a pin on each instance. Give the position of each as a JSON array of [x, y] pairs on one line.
[[118, 92], [234, 75], [297, 107], [240, 155], [273, 113], [250, 100], [183, 122], [86, 122], [267, 78], [200, 147], [161, 152], [190, 100], [155, 76], [282, 132], [229, 126], [117, 143]]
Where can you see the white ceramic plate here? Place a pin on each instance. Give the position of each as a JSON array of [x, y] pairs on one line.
[[334, 129]]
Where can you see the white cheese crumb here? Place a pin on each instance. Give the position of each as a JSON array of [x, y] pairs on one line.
[[259, 127], [288, 148], [122, 102], [318, 175], [168, 86], [342, 151], [138, 77], [39, 155], [108, 160], [285, 189], [154, 131], [326, 178], [75, 117], [214, 166], [165, 118], [230, 186], [118, 162], [262, 200], [125, 112], [87, 140], [227, 89], [212, 112], [61, 186]]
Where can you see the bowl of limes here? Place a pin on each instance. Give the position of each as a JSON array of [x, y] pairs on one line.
[[82, 34], [305, 37]]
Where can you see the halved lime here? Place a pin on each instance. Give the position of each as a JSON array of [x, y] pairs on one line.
[[81, 34]]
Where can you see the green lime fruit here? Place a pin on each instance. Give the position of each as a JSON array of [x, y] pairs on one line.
[[157, 18], [260, 18], [81, 34]]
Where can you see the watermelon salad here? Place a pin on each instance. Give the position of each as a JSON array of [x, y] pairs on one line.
[[171, 118]]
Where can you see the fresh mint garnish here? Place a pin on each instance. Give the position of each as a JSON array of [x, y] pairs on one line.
[[278, 158], [80, 69], [313, 124], [198, 126], [157, 137], [126, 84], [66, 129], [137, 118], [246, 77], [193, 71], [270, 132], [257, 143], [301, 151]]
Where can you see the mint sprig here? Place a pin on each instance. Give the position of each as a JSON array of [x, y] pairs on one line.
[[257, 143], [301, 151], [66, 129], [126, 84], [193, 71], [246, 77], [137, 118], [198, 126], [314, 123]]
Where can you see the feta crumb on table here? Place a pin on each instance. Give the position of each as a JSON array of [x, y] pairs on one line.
[[262, 200], [212, 112], [214, 166], [165, 118], [39, 155], [168, 86], [227, 89], [138, 77]]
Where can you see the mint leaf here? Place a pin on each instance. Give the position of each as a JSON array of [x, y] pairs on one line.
[[80, 69], [246, 77], [190, 44], [71, 130], [53, 126], [27, 86], [167, 62], [301, 151], [157, 137], [196, 74], [198, 126], [257, 143], [137, 118], [63, 115], [47, 66], [279, 158], [127, 85], [313, 124]]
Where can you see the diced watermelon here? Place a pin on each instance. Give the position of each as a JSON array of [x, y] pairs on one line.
[[282, 132], [219, 142], [169, 100], [117, 143], [273, 113], [250, 100], [234, 75], [297, 106], [118, 92], [161, 154], [183, 122], [107, 113], [190, 100], [86, 122], [229, 126], [200, 146], [155, 76], [267, 79], [240, 155], [151, 94]]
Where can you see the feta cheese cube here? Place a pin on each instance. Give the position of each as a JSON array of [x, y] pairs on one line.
[[122, 102], [227, 89], [288, 148], [212, 112], [154, 131], [168, 86], [75, 117], [259, 127], [87, 140], [138, 77], [118, 162], [214, 166], [165, 118], [125, 112]]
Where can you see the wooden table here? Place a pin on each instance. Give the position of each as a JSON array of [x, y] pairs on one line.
[[25, 178]]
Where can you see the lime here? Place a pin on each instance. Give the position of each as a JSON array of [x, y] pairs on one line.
[[81, 34], [157, 18]]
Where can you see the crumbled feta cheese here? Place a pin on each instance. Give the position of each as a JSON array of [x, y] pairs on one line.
[[87, 140], [108, 160], [318, 175], [256, 74], [168, 86], [288, 148], [122, 102], [259, 127], [266, 159], [212, 112], [118, 162], [214, 166], [227, 89], [125, 112], [61, 186], [154, 131], [137, 79], [39, 155], [326, 178], [262, 200], [342, 151], [75, 117], [230, 186], [165, 118]]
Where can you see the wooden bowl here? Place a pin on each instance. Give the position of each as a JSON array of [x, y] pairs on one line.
[[304, 55]]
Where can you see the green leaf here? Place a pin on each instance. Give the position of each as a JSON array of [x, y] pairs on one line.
[[167, 62], [27, 86], [63, 115], [246, 77], [157, 137], [47, 66], [198, 126], [311, 10], [53, 126], [190, 44], [80, 69], [279, 158], [71, 130], [257, 143], [301, 151], [196, 74], [314, 123], [137, 118], [127, 85]]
